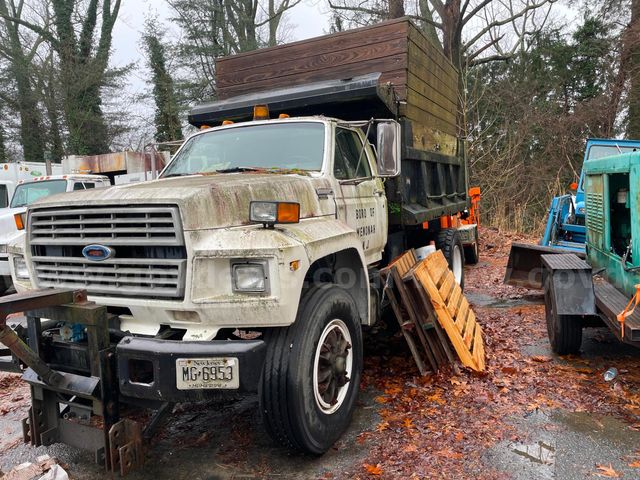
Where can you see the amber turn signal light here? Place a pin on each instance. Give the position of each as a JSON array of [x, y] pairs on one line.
[[18, 217]]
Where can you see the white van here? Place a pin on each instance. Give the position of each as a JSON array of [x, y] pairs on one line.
[[26, 193]]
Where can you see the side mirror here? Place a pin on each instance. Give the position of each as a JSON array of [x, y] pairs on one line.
[[388, 147]]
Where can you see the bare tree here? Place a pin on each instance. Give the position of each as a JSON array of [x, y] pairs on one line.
[[470, 32], [215, 28]]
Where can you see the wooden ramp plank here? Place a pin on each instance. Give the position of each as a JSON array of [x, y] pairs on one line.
[[415, 324], [460, 322]]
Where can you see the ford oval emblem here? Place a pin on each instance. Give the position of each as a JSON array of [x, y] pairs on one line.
[[98, 253]]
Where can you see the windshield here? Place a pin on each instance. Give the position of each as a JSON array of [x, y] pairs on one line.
[[27, 193], [4, 196], [601, 151], [291, 146]]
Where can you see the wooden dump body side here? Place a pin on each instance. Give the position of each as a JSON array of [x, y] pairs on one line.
[[424, 98]]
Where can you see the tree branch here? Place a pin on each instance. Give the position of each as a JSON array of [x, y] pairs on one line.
[[473, 12], [34, 28], [510, 19]]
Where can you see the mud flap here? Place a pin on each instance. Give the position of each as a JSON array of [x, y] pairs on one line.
[[524, 268], [571, 284]]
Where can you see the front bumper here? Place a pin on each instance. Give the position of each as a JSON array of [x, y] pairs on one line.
[[161, 356]]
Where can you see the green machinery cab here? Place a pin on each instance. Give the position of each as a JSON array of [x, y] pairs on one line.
[[612, 200], [581, 293]]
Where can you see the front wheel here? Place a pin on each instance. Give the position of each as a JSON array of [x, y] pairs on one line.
[[312, 372]]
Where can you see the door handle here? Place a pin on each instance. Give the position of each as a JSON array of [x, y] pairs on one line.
[[324, 193]]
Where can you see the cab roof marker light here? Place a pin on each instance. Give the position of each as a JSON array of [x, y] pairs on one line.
[[261, 112]]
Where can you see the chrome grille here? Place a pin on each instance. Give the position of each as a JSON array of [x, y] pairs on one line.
[[149, 261], [153, 225]]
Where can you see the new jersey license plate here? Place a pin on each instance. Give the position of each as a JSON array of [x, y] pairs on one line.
[[207, 373]]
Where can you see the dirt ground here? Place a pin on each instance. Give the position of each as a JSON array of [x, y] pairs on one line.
[[532, 415]]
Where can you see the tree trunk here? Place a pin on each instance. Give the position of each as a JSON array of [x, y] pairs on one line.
[[31, 132], [396, 8], [633, 55]]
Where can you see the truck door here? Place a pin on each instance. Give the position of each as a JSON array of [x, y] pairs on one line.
[[361, 200]]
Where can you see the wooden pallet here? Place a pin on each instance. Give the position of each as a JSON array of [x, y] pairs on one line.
[[418, 324], [436, 283]]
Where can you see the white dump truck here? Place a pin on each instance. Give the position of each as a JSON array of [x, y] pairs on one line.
[[251, 264]]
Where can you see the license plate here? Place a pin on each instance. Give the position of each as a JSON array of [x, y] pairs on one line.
[[207, 373]]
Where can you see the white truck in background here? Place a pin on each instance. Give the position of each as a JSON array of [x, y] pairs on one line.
[[24, 194], [12, 173]]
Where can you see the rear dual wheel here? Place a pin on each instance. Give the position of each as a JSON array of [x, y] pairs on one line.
[[449, 241], [312, 372]]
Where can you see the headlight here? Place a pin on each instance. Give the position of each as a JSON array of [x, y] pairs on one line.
[[264, 212], [3, 248], [20, 267], [270, 213], [249, 277]]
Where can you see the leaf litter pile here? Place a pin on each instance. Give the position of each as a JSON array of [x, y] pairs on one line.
[[439, 426]]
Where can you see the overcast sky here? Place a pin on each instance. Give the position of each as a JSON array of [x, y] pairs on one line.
[[308, 19]]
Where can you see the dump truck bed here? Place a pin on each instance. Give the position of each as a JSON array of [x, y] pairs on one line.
[[388, 70]]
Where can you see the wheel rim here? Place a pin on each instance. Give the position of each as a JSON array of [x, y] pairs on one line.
[[456, 264], [332, 366]]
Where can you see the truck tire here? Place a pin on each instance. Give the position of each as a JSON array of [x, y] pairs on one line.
[[564, 331], [312, 372], [472, 252], [450, 243]]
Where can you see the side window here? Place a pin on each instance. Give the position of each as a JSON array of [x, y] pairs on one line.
[[4, 196], [83, 186], [350, 161]]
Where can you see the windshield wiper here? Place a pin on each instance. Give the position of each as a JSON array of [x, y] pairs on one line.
[[239, 169], [176, 175]]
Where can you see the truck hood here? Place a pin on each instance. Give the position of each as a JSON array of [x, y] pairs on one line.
[[207, 201], [8, 229]]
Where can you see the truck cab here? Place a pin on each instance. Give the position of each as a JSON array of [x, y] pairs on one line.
[[27, 193]]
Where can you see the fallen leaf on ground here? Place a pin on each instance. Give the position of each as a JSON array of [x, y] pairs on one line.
[[606, 471], [373, 469], [541, 358]]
